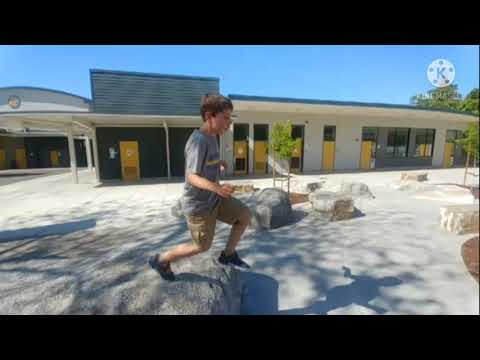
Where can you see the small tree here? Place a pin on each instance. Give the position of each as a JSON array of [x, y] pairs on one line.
[[470, 143], [283, 144]]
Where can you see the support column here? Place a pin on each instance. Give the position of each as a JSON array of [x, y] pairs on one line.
[[89, 153], [95, 154], [73, 156], [168, 149], [251, 145]]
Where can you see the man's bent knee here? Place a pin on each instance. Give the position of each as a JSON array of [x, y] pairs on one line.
[[203, 245]]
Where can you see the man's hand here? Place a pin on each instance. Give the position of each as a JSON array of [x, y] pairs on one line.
[[225, 190], [223, 166]]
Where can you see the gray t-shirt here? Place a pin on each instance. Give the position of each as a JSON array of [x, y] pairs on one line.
[[201, 158]]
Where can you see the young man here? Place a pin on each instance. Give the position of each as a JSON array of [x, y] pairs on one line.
[[204, 199]]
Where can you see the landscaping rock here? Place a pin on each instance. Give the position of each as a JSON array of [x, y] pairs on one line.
[[460, 219], [356, 189], [414, 177], [311, 187], [337, 205], [271, 209]]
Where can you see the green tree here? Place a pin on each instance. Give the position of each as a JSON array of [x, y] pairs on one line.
[[471, 102], [470, 139], [283, 144]]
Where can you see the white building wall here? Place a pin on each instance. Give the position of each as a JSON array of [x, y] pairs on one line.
[[348, 144], [348, 135]]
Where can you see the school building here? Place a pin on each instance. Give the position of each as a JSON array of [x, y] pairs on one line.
[[136, 125]]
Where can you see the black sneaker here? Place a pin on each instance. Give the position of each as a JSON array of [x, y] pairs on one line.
[[233, 259], [163, 269]]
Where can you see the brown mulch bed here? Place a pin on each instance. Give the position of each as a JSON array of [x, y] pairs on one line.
[[470, 256], [298, 198]]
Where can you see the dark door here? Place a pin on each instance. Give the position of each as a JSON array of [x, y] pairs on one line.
[[178, 138]]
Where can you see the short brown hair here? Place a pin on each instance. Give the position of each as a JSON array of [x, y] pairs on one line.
[[215, 103]]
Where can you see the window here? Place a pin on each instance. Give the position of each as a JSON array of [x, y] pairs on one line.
[[329, 133], [397, 142], [240, 132], [453, 135], [369, 134], [424, 142], [297, 131], [260, 132]]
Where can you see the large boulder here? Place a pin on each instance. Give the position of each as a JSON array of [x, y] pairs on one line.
[[337, 206], [356, 190], [202, 287], [271, 209]]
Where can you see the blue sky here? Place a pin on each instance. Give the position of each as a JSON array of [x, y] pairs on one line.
[[386, 74]]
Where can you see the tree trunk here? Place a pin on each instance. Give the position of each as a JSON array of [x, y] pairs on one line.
[[274, 166], [288, 178], [466, 165]]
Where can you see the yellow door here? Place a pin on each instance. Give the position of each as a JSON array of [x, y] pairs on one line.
[[241, 163], [366, 155], [328, 155], [21, 157], [260, 151], [3, 160], [423, 148], [54, 158], [296, 161], [129, 160], [448, 155]]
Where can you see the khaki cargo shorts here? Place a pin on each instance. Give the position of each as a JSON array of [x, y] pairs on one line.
[[202, 227]]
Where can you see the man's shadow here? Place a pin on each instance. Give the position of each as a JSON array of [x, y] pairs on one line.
[[259, 295], [361, 291]]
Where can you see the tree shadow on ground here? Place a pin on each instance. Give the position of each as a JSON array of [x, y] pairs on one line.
[[48, 230], [360, 292]]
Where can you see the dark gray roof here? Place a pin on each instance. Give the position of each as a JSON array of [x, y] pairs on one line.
[[170, 76], [122, 92], [339, 103]]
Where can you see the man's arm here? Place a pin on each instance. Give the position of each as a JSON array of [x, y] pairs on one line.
[[224, 190]]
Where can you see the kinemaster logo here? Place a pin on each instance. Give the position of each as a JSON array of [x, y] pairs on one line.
[[441, 73]]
